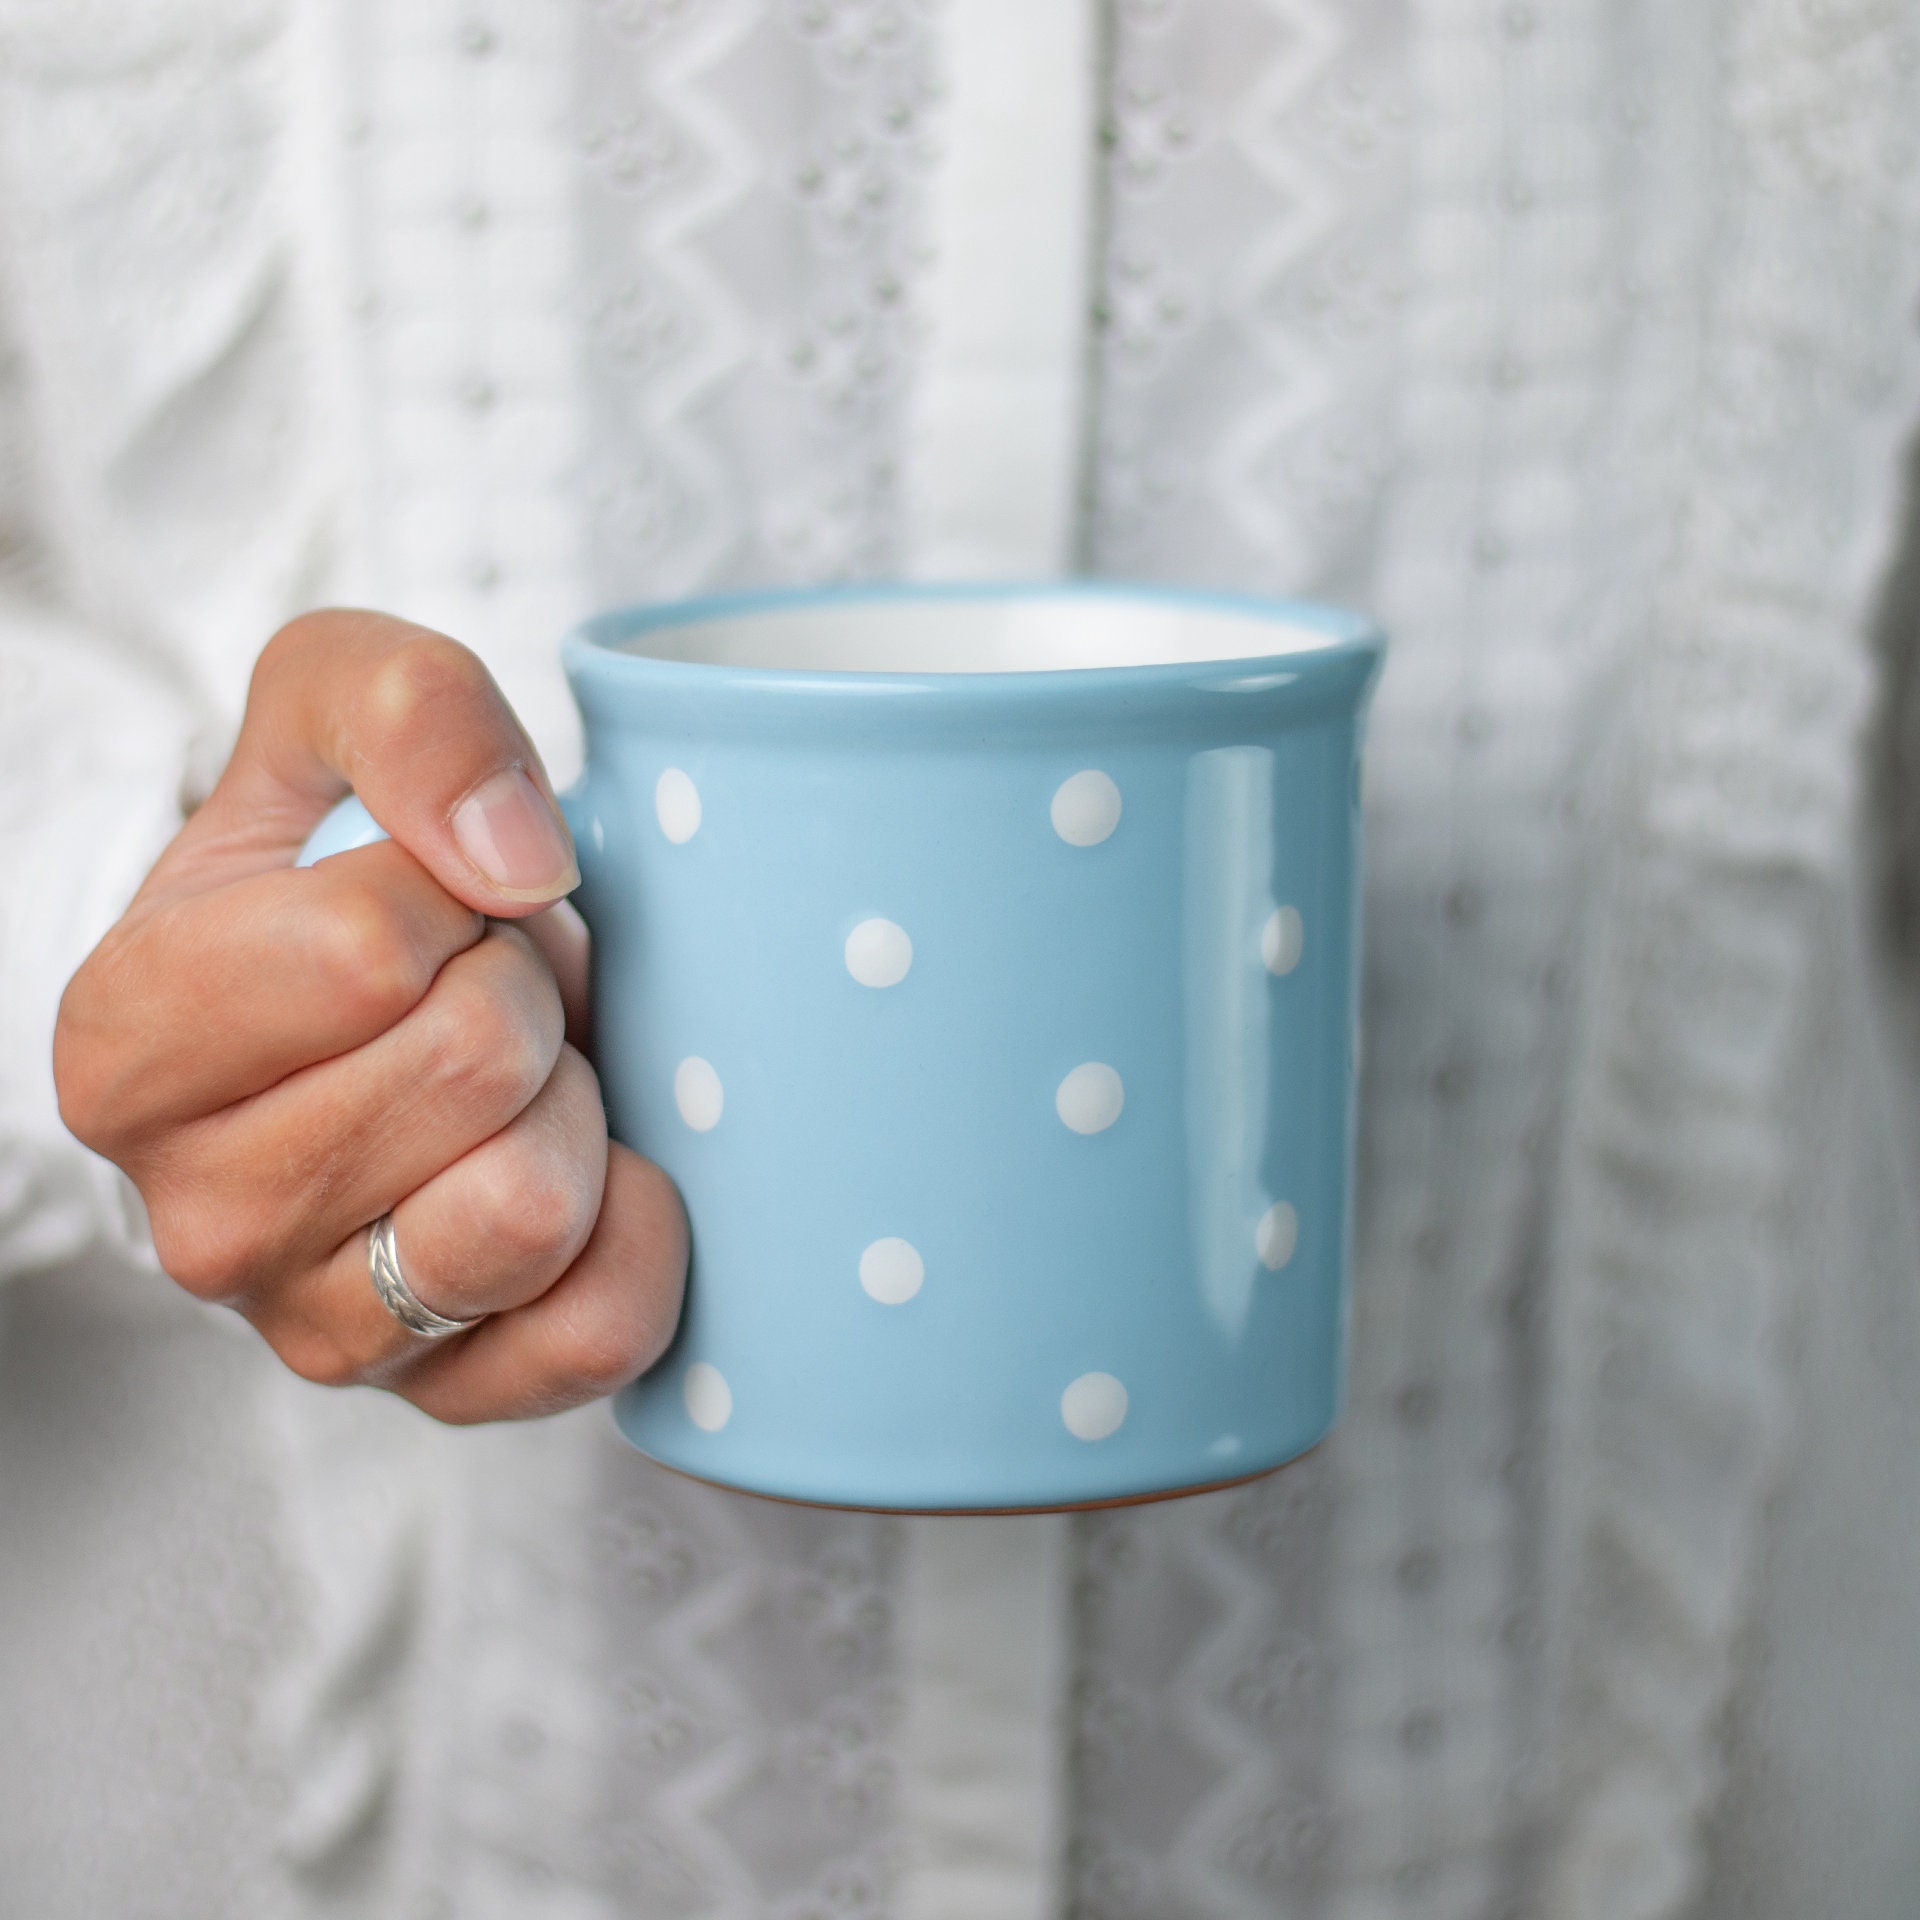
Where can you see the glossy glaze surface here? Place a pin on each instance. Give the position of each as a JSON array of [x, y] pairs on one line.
[[998, 1028]]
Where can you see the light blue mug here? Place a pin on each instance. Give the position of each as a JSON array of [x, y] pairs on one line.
[[982, 963]]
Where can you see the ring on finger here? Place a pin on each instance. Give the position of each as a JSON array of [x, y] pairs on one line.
[[399, 1299]]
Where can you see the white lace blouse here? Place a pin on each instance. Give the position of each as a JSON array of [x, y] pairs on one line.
[[1571, 337]]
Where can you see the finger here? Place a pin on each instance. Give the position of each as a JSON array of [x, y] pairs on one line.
[[603, 1323], [270, 1186], [414, 724], [210, 997], [489, 1233], [561, 935]]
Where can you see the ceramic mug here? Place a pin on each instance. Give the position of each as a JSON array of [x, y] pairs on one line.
[[982, 964]]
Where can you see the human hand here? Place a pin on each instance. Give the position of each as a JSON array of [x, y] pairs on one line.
[[277, 1056]]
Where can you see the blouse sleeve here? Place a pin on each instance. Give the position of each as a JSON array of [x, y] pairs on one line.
[[169, 492], [95, 739], [94, 749]]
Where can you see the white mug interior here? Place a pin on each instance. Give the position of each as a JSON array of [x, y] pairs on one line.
[[980, 634]]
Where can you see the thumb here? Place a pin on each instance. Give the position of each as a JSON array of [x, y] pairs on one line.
[[414, 724]]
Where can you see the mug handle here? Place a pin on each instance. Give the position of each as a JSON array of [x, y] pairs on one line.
[[343, 827], [347, 825]]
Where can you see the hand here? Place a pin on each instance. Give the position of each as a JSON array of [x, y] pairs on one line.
[[278, 1055]]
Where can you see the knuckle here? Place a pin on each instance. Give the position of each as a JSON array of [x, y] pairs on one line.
[[86, 1061], [657, 1227], [655, 1335], [79, 1087], [543, 1209], [365, 960], [317, 627], [216, 1253], [317, 633], [598, 1353], [494, 1049], [319, 1356], [425, 678], [656, 1201], [660, 1305], [304, 630], [650, 1244], [507, 1057]]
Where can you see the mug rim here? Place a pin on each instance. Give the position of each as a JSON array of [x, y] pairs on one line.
[[613, 683]]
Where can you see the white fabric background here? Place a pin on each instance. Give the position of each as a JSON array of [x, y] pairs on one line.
[[1576, 341]]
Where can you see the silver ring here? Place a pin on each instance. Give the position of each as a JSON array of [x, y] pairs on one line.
[[399, 1299]]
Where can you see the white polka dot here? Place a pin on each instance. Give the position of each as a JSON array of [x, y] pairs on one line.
[[1274, 1238], [1089, 1098], [676, 800], [891, 1271], [879, 953], [1086, 808], [1281, 940], [1094, 1406], [698, 1094], [709, 1399]]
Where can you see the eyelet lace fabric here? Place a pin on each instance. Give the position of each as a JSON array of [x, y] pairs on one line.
[[753, 251], [1252, 289], [1570, 339]]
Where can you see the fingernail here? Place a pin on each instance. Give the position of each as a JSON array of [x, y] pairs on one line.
[[508, 829]]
